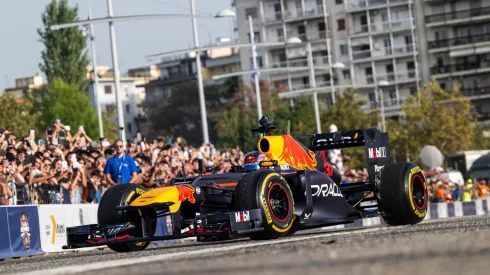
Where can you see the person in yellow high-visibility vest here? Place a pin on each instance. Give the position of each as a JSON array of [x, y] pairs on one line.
[[468, 191]]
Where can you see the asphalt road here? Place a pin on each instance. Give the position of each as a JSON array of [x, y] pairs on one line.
[[451, 246]]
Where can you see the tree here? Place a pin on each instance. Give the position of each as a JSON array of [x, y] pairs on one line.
[[436, 117], [69, 104], [16, 115], [180, 114], [64, 55], [236, 118]]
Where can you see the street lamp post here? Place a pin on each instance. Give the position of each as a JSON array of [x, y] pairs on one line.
[[202, 101], [117, 81], [96, 77], [255, 66], [382, 83]]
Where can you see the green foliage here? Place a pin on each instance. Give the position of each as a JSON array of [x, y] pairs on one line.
[[436, 117], [64, 55], [16, 116], [109, 122], [71, 105], [181, 115]]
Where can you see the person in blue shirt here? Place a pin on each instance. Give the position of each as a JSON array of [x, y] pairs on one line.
[[121, 168]]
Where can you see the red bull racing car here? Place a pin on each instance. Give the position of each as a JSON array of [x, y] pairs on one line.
[[284, 187]]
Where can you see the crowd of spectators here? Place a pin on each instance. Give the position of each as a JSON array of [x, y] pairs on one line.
[[66, 168], [445, 190]]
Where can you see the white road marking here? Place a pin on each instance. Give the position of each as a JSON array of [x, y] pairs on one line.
[[159, 258]]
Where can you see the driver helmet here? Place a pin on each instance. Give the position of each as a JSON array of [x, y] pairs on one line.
[[252, 160]]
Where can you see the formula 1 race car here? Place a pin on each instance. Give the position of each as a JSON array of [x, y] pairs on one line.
[[293, 189]]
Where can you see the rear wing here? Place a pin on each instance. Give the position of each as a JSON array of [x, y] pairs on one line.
[[375, 142]]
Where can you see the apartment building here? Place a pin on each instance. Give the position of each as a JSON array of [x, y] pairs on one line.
[[376, 40], [457, 48]]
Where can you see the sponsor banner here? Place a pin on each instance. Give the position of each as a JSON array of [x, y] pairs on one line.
[[23, 227], [5, 250], [54, 219]]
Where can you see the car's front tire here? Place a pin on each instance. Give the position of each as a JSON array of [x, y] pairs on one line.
[[123, 195], [269, 191]]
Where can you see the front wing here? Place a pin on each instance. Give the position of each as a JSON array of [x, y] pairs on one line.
[[216, 224]]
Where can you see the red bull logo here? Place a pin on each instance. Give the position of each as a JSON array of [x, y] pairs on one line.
[[186, 193], [250, 159], [297, 156]]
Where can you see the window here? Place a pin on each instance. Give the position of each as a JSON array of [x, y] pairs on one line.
[[129, 127], [339, 2], [280, 34], [341, 24], [372, 99], [343, 50], [109, 107], [413, 90], [251, 12], [411, 69], [260, 64], [346, 74], [128, 108], [108, 89], [256, 37]]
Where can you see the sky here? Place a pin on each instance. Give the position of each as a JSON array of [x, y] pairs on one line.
[[20, 48]]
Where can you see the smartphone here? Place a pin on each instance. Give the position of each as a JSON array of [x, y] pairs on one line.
[[55, 141], [138, 136], [73, 158], [41, 142], [64, 164], [6, 164], [67, 128], [80, 128], [142, 146], [75, 165], [57, 121], [32, 133]]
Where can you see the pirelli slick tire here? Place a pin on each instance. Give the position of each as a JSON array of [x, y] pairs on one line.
[[266, 190], [122, 195], [402, 194]]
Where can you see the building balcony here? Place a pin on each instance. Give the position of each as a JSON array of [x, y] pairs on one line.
[[392, 78], [292, 15], [387, 103], [304, 86], [302, 62], [473, 67], [387, 52], [459, 41], [357, 5], [382, 27], [457, 16], [476, 91]]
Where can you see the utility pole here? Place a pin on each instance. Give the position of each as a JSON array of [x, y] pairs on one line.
[[200, 84], [115, 65], [96, 77]]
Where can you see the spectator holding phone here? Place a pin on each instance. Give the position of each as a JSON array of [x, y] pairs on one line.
[[121, 168]]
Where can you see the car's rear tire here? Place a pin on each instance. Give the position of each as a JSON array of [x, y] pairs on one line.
[[402, 194], [268, 191], [122, 195]]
